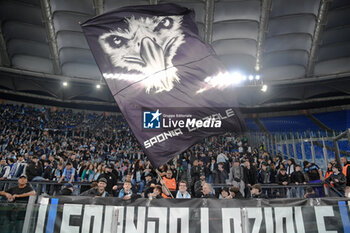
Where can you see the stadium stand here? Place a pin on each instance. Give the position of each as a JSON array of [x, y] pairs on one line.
[[95, 142]]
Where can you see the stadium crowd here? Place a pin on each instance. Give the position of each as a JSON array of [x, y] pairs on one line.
[[65, 146]]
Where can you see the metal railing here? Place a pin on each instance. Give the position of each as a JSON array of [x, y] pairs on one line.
[[53, 187]]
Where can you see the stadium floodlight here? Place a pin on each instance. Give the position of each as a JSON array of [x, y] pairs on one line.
[[65, 84], [257, 77], [98, 86], [236, 78], [257, 67], [264, 88], [250, 77]]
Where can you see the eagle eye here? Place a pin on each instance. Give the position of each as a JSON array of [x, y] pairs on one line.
[[116, 41], [166, 23]]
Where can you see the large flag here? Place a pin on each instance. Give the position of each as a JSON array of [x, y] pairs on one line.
[[169, 85]]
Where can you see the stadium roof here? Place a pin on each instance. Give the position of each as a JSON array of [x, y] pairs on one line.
[[301, 48]]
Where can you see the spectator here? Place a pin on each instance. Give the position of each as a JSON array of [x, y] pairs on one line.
[[347, 191], [67, 189], [126, 192], [170, 183], [34, 170], [310, 193], [225, 193], [297, 178], [88, 173], [213, 166], [329, 171], [235, 193], [112, 180], [100, 191], [174, 171], [264, 178], [219, 176], [313, 175], [3, 168], [195, 174], [138, 176], [337, 179], [58, 172], [19, 193], [68, 173], [115, 170], [47, 175], [207, 191], [236, 176], [20, 166], [273, 173], [250, 176], [282, 179], [256, 191], [98, 172], [149, 185], [198, 186], [182, 192], [346, 169], [290, 166], [7, 169], [157, 192]]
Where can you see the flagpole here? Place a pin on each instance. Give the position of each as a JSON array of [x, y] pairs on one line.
[[160, 177]]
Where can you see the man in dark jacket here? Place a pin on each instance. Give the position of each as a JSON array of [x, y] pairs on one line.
[[219, 176], [282, 179], [34, 169], [100, 191], [250, 175], [235, 193], [47, 170], [112, 180], [313, 174], [150, 183], [337, 180], [297, 178], [195, 174], [256, 192], [198, 186]]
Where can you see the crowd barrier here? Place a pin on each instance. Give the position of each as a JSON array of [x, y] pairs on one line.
[[74, 214], [291, 190]]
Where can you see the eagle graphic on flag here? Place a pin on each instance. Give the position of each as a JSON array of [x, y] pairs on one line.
[[166, 81]]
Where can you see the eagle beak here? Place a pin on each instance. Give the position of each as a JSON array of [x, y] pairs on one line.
[[168, 46], [152, 54]]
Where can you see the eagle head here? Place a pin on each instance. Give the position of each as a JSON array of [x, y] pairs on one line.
[[146, 47]]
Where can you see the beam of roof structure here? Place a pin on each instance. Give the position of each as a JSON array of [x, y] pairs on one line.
[[47, 16], [30, 95], [36, 75], [264, 18], [329, 77], [153, 2], [99, 6], [209, 18], [5, 60], [320, 22]]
